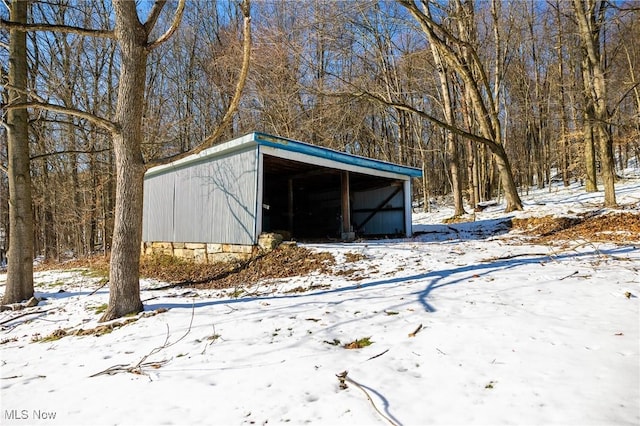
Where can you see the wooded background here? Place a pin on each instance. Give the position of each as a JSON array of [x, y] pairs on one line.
[[345, 75]]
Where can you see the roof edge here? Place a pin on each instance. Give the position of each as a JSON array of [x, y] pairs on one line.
[[220, 149], [278, 142], [334, 155]]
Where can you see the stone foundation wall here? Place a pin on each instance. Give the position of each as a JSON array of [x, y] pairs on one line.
[[212, 252]]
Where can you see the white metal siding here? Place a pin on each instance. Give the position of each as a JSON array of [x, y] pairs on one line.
[[158, 208], [213, 201]]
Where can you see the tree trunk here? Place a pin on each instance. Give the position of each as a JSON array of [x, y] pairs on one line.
[[451, 142], [474, 181], [564, 150], [607, 165], [20, 263], [591, 16], [124, 284], [590, 171]]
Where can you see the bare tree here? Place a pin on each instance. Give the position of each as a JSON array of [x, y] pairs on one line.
[[135, 42], [465, 61], [20, 263], [591, 17], [564, 153], [132, 36]]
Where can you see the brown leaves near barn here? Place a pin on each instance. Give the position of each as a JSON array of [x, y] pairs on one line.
[[283, 262], [614, 227]]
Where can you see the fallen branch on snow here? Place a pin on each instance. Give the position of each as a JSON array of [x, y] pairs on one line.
[[24, 314], [513, 256], [143, 364]]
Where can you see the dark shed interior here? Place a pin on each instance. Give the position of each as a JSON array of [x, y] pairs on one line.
[[305, 200]]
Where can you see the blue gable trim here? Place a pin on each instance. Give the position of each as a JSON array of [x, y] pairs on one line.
[[330, 154]]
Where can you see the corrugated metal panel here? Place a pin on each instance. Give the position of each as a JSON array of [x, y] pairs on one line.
[[383, 222], [214, 201], [158, 208]]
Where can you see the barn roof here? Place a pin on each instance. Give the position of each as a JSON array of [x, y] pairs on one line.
[[290, 145]]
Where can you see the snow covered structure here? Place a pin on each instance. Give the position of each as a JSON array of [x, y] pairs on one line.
[[220, 201]]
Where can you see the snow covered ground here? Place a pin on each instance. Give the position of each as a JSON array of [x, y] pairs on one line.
[[473, 326]]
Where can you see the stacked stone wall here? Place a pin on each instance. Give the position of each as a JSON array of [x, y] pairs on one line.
[[211, 252]]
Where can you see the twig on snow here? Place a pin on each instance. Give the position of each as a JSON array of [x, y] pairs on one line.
[[416, 331], [97, 289], [380, 354], [513, 256], [570, 275], [343, 378]]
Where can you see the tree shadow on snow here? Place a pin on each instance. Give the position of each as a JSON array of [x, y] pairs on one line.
[[462, 231]]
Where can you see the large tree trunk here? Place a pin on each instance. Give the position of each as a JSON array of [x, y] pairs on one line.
[[506, 178], [20, 266], [124, 285], [591, 16], [607, 163]]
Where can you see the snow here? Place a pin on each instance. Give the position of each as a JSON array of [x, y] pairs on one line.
[[511, 333]]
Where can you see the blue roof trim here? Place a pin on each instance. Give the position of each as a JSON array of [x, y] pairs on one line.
[[331, 154]]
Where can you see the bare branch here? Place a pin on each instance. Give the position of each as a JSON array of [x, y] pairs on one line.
[[177, 18], [622, 98], [453, 129], [154, 14], [24, 92], [102, 122], [441, 36], [67, 29], [233, 105], [69, 151]]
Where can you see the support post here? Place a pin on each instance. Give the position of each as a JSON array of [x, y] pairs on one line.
[[347, 233], [290, 205], [408, 226]]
